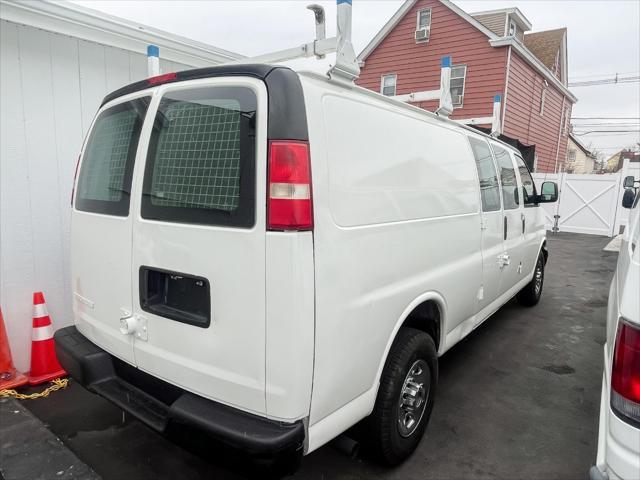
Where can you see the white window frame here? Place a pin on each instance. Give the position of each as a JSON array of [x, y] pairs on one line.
[[543, 96], [515, 28], [395, 84], [464, 81], [428, 26]]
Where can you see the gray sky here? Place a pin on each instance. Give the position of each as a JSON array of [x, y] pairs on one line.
[[603, 39]]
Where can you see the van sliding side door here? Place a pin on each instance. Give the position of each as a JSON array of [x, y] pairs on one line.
[[512, 271], [492, 222]]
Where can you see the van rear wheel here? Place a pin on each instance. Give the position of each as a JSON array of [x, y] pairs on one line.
[[405, 397], [531, 293]]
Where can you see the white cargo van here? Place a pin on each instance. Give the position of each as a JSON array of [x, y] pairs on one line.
[[270, 257]]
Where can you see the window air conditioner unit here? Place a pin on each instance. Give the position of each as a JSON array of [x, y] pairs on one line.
[[422, 35]]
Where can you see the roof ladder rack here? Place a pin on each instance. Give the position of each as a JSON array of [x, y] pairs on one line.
[[346, 67]]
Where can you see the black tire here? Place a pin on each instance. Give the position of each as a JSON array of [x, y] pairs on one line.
[[411, 349], [531, 293]]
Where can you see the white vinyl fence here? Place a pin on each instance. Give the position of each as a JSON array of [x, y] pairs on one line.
[[588, 203]]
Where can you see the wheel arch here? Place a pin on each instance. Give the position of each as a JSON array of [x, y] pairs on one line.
[[426, 313], [543, 249]]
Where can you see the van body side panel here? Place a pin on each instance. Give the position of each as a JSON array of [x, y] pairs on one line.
[[396, 216], [289, 324]]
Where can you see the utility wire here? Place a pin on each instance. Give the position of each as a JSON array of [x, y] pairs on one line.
[[603, 74], [606, 81], [579, 134], [605, 118]]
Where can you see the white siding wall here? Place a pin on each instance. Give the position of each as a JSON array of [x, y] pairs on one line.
[[50, 88]]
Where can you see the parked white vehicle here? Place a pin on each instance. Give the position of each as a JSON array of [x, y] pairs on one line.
[[271, 257], [619, 433]]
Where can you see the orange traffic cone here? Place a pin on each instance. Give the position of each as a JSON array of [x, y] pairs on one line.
[[44, 362], [9, 376]]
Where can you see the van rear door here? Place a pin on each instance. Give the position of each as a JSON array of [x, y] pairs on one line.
[[199, 241], [101, 225]]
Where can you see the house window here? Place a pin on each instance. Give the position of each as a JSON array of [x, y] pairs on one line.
[[424, 19], [458, 74], [572, 156], [543, 95], [388, 85], [513, 28]]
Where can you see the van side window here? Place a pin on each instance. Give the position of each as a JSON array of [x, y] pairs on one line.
[[201, 161], [489, 189], [528, 186], [104, 183], [508, 179]]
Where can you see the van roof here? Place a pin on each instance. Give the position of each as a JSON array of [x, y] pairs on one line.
[[258, 70], [261, 71]]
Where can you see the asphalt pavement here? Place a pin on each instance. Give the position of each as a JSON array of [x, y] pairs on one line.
[[517, 399]]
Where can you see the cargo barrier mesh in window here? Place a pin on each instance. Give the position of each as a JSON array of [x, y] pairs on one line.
[[109, 151], [197, 161]]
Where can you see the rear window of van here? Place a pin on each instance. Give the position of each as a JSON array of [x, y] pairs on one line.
[[201, 161], [104, 183]]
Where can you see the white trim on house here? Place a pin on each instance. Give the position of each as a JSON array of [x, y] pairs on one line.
[[76, 21], [475, 23], [403, 10], [384, 31], [532, 60], [524, 21], [494, 41], [506, 88], [564, 60]]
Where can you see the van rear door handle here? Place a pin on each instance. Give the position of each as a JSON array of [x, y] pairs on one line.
[[505, 227], [524, 220]]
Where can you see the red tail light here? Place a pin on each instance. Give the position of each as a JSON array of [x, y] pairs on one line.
[[164, 78], [625, 373], [289, 203], [75, 177]]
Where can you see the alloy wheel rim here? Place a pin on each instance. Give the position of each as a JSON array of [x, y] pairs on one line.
[[414, 397]]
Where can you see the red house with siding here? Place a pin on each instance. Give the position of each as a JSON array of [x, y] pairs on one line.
[[491, 54]]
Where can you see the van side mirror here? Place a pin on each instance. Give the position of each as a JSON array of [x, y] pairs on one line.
[[548, 192], [628, 197], [628, 181]]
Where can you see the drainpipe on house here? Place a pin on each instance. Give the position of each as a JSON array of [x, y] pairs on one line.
[[562, 120]]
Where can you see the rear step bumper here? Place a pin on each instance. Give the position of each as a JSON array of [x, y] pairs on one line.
[[161, 405]]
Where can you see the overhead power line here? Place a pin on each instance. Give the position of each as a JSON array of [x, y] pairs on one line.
[[605, 131], [603, 74], [605, 118], [606, 81]]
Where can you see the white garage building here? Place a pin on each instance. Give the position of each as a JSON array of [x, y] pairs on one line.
[[57, 63]]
